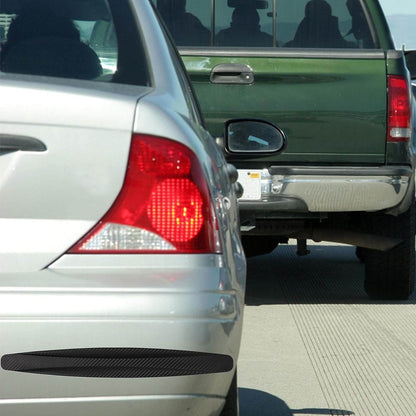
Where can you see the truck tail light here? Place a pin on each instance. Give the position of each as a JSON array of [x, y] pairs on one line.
[[164, 206], [399, 110]]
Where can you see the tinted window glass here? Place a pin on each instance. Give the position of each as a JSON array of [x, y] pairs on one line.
[[269, 23], [79, 39], [188, 22], [245, 23], [322, 24]]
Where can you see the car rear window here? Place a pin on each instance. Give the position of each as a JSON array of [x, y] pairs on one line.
[[79, 39], [268, 23]]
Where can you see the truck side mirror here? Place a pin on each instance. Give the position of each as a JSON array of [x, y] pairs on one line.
[[245, 136]]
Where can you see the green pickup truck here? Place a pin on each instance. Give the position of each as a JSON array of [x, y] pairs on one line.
[[328, 74]]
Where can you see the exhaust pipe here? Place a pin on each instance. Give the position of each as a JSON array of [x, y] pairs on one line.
[[354, 238]]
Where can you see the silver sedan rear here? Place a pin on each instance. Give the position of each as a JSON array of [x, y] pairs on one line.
[[121, 269]]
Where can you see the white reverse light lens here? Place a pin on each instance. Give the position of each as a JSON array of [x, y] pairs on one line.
[[116, 237], [400, 132]]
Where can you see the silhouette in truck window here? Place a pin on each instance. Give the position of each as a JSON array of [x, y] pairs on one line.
[[319, 28], [185, 28], [244, 29]]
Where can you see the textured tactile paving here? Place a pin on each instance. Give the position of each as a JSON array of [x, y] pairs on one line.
[[363, 352]]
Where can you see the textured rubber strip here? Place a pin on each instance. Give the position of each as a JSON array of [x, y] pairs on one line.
[[117, 362]]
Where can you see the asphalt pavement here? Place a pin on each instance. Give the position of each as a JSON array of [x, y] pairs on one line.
[[314, 344]]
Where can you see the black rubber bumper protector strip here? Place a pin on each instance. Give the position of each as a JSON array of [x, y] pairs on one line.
[[117, 362]]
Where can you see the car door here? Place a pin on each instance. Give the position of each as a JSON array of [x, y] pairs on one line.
[[328, 96]]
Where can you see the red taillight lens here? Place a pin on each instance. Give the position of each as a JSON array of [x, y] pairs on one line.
[[175, 209], [399, 114], [164, 205]]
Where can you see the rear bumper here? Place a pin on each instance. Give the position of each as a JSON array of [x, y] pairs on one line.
[[157, 339], [194, 405], [330, 189]]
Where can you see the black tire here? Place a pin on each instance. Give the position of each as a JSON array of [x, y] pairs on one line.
[[360, 252], [231, 407], [390, 275], [256, 245]]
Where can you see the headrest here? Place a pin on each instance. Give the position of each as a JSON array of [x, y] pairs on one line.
[[53, 56]]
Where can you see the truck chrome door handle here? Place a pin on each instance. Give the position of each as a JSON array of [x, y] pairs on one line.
[[10, 143], [232, 74]]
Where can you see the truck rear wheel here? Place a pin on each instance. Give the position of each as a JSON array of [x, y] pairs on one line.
[[360, 253], [255, 245], [390, 275]]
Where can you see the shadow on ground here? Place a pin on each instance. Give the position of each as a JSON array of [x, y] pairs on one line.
[[329, 274], [259, 403]]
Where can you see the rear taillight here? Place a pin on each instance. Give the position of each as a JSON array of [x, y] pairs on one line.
[[164, 205], [399, 113]]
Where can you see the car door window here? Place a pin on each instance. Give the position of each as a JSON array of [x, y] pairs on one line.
[[322, 24], [244, 23], [189, 21], [268, 23], [83, 40]]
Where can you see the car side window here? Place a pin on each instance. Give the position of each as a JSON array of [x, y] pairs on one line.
[[80, 41], [244, 23], [189, 24], [268, 23], [322, 24]]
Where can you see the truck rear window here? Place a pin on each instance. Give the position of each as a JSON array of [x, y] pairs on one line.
[[89, 40], [268, 23]]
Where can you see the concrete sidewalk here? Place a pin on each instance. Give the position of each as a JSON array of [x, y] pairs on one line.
[[314, 344]]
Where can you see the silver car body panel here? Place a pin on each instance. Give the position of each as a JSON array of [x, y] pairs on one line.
[[51, 300], [176, 302], [59, 194], [182, 302]]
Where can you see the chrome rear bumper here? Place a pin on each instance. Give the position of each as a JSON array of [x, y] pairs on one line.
[[331, 189]]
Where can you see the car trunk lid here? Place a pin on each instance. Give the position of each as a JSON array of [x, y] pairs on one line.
[[54, 193]]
